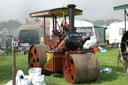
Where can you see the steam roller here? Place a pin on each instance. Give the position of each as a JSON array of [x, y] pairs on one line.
[[63, 51]]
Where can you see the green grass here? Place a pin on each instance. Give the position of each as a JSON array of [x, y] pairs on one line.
[[6, 66], [106, 59]]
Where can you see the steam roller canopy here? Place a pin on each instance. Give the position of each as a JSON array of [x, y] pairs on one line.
[[37, 56], [82, 68]]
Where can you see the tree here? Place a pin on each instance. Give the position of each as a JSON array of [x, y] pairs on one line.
[[10, 24]]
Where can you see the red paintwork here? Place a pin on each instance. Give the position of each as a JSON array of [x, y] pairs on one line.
[[61, 47], [34, 56], [67, 26], [55, 63], [49, 65], [58, 62], [56, 44], [51, 41], [69, 70], [95, 49], [80, 51]]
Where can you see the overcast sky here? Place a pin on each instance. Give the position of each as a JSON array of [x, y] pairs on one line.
[[93, 9]]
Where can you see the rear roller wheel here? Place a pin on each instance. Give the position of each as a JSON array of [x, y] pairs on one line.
[[81, 68], [37, 56]]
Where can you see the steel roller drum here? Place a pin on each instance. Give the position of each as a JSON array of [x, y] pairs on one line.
[[37, 56], [82, 68]]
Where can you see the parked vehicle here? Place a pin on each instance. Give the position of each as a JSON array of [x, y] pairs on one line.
[[116, 31], [87, 30], [26, 38], [1, 39], [8, 42]]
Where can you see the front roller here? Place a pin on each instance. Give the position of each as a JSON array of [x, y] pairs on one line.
[[37, 56], [81, 68]]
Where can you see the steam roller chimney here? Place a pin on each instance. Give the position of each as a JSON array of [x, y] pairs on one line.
[[71, 17]]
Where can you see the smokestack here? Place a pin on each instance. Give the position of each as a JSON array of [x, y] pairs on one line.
[[71, 17]]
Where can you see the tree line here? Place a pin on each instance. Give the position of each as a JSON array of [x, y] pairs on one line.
[[10, 25], [14, 24]]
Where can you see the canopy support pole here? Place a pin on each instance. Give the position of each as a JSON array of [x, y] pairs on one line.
[[53, 24], [44, 25]]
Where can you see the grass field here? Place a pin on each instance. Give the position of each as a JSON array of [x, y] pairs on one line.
[[106, 59]]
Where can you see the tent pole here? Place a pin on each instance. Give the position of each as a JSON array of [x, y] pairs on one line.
[[125, 19]]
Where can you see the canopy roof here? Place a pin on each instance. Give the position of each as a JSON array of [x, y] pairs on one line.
[[55, 12], [125, 6]]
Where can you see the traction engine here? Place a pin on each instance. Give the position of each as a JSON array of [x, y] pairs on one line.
[[63, 50]]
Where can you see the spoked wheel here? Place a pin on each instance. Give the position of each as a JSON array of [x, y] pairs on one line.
[[37, 56], [81, 68]]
